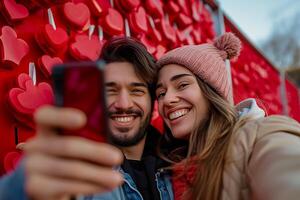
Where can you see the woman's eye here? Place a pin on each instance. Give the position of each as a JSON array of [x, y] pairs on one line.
[[182, 85], [160, 94]]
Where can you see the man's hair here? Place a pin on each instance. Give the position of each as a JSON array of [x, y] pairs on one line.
[[125, 49]]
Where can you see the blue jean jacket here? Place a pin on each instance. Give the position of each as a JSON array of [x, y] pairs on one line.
[[12, 188], [129, 190]]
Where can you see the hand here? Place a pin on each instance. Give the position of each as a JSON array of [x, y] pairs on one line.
[[59, 167]]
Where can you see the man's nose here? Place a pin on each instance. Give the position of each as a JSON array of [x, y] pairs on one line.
[[124, 100]]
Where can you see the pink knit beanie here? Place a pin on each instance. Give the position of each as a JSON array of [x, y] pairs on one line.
[[207, 61]]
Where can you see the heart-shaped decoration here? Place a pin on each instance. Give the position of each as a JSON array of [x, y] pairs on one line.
[[12, 48], [98, 7], [184, 7], [26, 98], [168, 31], [78, 15], [52, 41], [11, 160], [113, 22], [184, 36], [196, 33], [15, 11], [184, 21], [85, 48], [46, 64], [22, 79], [151, 47], [38, 4], [155, 7], [138, 21], [127, 5], [172, 8]]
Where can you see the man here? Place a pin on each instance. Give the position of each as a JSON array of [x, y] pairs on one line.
[[59, 167]]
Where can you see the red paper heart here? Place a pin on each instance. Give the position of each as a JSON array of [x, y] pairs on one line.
[[11, 160], [13, 49], [185, 36], [155, 7], [14, 10], [52, 41], [128, 5], [168, 31], [184, 20], [113, 23], [98, 7], [172, 8], [25, 99], [196, 33], [86, 49], [22, 79], [184, 6], [151, 47], [77, 14], [56, 37], [46, 64], [138, 21]]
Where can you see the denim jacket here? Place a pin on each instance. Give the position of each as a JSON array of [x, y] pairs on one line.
[[129, 190]]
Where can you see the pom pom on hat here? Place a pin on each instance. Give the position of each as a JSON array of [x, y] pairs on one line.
[[229, 45], [207, 61]]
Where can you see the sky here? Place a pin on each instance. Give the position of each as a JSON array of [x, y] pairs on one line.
[[257, 18]]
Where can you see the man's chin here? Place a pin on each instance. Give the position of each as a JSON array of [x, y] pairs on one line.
[[127, 139]]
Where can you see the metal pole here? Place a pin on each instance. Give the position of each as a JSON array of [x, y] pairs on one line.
[[283, 93], [218, 18]]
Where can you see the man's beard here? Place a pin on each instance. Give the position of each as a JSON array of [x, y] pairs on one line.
[[137, 136]]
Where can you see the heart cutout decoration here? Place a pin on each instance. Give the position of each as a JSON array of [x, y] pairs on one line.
[[46, 64], [127, 5], [52, 41], [151, 47], [155, 7], [168, 31], [78, 15], [138, 21], [98, 7], [13, 49], [85, 48], [14, 11], [113, 22], [26, 98], [184, 21]]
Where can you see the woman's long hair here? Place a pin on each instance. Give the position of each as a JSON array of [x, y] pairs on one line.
[[208, 147]]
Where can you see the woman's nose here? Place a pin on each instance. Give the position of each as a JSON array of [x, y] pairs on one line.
[[170, 98]]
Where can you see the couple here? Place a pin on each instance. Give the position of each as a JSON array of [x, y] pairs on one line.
[[210, 149]]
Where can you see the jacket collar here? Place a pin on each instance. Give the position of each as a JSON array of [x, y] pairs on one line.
[[249, 108]]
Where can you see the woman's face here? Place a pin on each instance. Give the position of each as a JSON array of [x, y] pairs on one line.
[[180, 100]]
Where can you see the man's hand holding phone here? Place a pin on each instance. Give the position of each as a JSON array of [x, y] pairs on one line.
[[60, 166]]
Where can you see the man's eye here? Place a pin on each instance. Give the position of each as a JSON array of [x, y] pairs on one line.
[[111, 91], [138, 91]]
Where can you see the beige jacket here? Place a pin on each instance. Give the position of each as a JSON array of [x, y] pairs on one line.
[[265, 161]]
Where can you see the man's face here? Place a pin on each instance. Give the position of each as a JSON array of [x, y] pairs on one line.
[[129, 104]]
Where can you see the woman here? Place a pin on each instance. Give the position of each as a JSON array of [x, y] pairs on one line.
[[222, 155]]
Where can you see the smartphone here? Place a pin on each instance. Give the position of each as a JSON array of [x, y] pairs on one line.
[[81, 85]]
